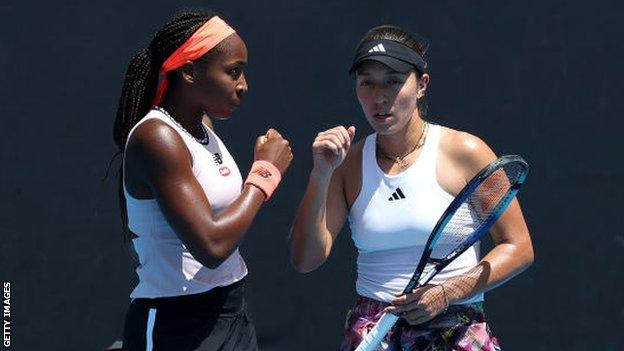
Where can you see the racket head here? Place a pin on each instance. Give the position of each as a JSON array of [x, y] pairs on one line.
[[470, 215]]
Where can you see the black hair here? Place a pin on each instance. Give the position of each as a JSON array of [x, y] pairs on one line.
[[141, 82], [404, 37]]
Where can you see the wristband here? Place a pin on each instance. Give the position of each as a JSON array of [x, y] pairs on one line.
[[265, 176]]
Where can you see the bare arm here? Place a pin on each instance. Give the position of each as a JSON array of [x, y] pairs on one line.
[[323, 209], [513, 251], [164, 165], [512, 254]]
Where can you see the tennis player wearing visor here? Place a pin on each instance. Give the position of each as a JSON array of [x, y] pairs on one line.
[[393, 185]]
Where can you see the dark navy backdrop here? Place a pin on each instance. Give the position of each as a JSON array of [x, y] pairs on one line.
[[540, 79]]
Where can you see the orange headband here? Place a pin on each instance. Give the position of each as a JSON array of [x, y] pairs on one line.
[[203, 40]]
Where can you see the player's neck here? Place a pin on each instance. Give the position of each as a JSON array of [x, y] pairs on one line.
[[401, 142], [190, 117]]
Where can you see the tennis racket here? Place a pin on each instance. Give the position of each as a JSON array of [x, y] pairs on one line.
[[470, 215]]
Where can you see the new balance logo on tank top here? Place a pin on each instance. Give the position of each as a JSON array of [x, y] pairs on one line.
[[391, 220], [166, 268]]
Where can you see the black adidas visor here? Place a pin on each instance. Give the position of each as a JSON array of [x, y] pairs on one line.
[[391, 53]]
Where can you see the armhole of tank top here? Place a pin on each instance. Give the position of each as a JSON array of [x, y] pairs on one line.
[[123, 166], [363, 185], [435, 151], [123, 160]]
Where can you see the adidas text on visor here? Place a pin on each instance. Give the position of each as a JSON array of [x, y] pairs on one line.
[[391, 53]]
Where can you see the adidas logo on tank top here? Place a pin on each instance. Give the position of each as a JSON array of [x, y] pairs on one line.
[[397, 195]]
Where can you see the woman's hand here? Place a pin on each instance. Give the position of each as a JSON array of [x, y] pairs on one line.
[[330, 148], [421, 305], [272, 147]]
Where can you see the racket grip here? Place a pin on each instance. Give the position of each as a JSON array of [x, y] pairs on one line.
[[379, 331]]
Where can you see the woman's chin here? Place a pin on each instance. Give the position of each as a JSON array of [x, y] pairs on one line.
[[383, 129], [222, 115], [222, 118]]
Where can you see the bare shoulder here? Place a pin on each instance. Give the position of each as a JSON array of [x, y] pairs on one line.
[[154, 133], [154, 143], [469, 152]]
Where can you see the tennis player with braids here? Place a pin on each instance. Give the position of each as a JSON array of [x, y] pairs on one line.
[[186, 203], [393, 186]]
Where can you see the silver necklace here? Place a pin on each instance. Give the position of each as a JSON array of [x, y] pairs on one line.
[[204, 141]]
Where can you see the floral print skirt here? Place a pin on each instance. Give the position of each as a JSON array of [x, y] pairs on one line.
[[460, 328]]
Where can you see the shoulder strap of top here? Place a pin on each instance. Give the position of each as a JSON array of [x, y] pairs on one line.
[[430, 150], [369, 162]]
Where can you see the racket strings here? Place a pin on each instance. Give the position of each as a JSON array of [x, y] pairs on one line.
[[478, 208]]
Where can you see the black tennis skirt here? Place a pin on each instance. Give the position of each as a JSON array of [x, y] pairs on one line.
[[214, 320]]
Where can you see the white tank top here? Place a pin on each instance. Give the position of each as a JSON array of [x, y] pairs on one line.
[[392, 218], [166, 267]]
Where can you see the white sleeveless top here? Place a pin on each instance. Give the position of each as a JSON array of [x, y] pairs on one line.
[[391, 220], [166, 267]]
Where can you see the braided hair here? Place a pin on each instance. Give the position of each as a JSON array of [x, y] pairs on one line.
[[141, 82]]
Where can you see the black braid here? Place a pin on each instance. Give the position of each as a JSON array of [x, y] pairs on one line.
[[141, 82], [142, 75]]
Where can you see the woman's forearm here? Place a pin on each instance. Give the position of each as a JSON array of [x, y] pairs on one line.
[[310, 240], [502, 263], [231, 225]]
